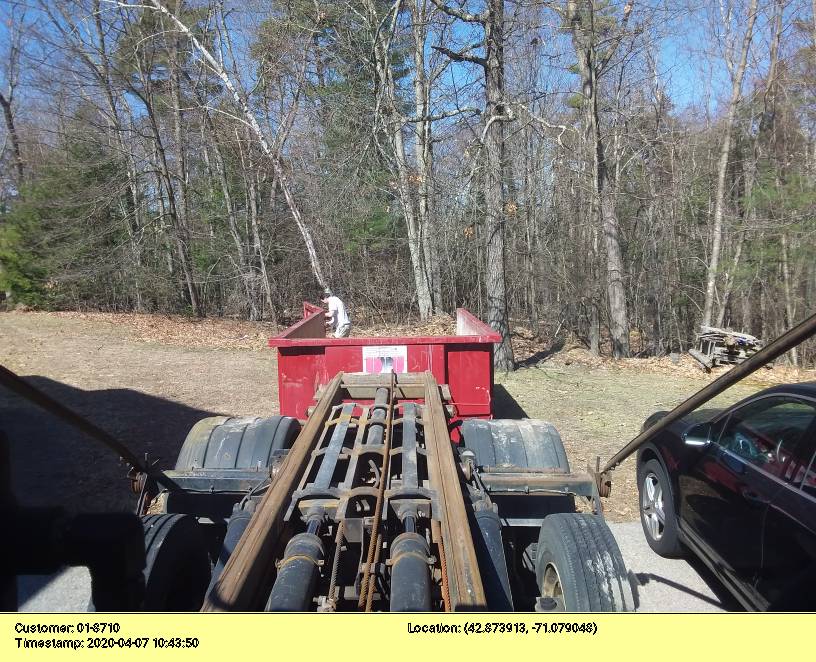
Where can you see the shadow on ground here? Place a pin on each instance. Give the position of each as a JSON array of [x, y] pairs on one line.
[[727, 600], [722, 599], [505, 405], [53, 464], [542, 355]]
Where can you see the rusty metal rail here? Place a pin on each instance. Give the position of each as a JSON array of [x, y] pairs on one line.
[[246, 577], [311, 484], [367, 585], [462, 567]]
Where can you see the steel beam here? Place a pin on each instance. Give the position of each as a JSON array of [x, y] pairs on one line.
[[467, 591], [245, 579]]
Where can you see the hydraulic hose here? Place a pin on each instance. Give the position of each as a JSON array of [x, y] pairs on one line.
[[235, 529]]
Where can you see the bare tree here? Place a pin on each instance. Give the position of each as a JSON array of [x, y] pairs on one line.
[[15, 27], [200, 155], [737, 73], [407, 179], [240, 98], [592, 62], [492, 64]]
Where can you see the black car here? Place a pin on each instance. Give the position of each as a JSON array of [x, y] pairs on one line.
[[737, 488]]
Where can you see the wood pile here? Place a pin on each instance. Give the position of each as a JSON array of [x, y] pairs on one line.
[[717, 347]]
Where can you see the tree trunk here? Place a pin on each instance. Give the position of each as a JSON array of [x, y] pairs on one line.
[[244, 268], [594, 328], [789, 306], [252, 194], [15, 139], [416, 241], [424, 157], [603, 191], [180, 237], [531, 209], [615, 291], [244, 262], [413, 205], [729, 281], [722, 168], [495, 287], [115, 125]]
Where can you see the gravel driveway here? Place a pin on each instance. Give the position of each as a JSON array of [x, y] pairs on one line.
[[660, 585]]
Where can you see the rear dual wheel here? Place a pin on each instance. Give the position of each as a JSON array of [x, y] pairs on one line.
[[580, 567], [177, 566]]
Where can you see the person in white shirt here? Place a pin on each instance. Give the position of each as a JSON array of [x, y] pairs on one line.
[[337, 318]]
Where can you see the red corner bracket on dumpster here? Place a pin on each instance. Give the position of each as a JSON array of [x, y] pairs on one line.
[[308, 359]]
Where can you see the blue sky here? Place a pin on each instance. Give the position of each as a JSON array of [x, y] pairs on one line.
[[692, 65], [691, 77]]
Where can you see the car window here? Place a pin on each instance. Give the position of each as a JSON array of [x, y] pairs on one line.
[[766, 433], [804, 475]]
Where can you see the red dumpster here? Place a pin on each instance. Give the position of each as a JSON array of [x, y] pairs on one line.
[[308, 359]]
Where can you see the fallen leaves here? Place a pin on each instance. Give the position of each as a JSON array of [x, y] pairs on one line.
[[214, 333], [678, 365]]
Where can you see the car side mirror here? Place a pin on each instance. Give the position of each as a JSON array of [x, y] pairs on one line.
[[698, 435]]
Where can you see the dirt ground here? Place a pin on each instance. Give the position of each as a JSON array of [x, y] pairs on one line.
[[148, 378]]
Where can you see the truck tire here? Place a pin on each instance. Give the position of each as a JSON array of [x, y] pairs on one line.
[[526, 443], [220, 442], [656, 506], [177, 566], [580, 567]]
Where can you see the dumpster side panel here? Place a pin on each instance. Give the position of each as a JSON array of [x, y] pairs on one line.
[[420, 357], [300, 371], [345, 358], [428, 357], [312, 326], [470, 377]]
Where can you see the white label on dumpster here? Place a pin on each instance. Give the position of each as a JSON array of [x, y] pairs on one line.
[[385, 358]]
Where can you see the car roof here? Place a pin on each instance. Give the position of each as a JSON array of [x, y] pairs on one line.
[[804, 389], [807, 389]]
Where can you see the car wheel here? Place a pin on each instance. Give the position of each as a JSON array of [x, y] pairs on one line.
[[657, 514]]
